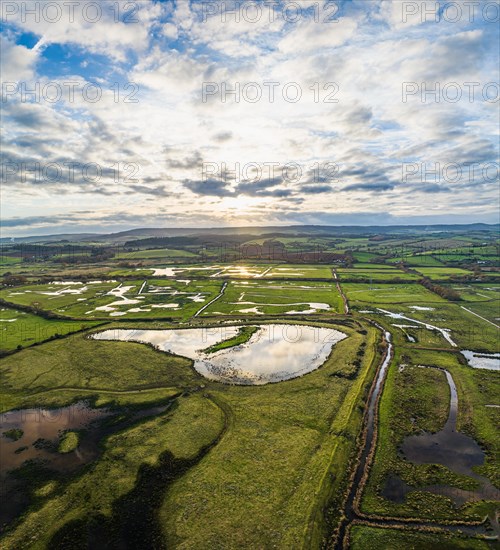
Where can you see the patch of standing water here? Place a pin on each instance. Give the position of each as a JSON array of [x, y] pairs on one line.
[[314, 307], [44, 426], [32, 440], [274, 353], [445, 332], [478, 360], [455, 450], [167, 272]]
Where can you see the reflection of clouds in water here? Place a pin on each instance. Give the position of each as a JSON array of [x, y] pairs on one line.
[[273, 353]]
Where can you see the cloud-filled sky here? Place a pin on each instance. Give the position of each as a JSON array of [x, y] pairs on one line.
[[203, 113]]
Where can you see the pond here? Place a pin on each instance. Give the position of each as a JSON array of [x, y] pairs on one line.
[[478, 360], [274, 353], [30, 451], [38, 432], [448, 447]]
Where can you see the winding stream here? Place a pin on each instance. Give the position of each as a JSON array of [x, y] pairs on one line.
[[369, 439], [418, 449]]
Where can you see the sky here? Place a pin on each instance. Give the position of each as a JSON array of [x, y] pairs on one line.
[[184, 113]]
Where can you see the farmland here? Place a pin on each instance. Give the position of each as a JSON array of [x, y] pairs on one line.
[[175, 458]]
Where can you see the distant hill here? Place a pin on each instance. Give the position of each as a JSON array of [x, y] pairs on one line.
[[267, 231], [50, 238]]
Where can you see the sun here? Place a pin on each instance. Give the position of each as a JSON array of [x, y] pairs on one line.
[[241, 204]]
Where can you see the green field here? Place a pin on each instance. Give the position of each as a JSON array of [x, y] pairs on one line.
[[375, 273], [299, 271], [146, 298], [20, 329], [416, 400], [186, 462], [269, 437], [275, 298], [164, 253], [442, 273], [363, 537], [466, 329]]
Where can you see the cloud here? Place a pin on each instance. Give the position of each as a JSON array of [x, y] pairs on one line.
[[209, 187], [17, 63], [368, 187], [110, 29], [159, 191], [309, 35], [153, 151]]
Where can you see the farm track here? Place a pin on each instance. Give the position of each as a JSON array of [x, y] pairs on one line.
[[341, 292], [483, 318], [221, 293]]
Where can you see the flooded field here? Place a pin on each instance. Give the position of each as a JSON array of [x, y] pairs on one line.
[[457, 451], [274, 353], [37, 433], [445, 332], [478, 360], [35, 440]]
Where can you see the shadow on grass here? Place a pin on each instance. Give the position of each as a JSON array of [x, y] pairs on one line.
[[134, 521]]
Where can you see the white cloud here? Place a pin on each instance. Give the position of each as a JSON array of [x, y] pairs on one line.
[[310, 35], [16, 62], [170, 132]]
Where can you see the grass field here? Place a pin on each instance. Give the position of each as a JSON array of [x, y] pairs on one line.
[[21, 329], [366, 296], [423, 260], [291, 271], [160, 254], [466, 329], [69, 298], [442, 273], [143, 298], [108, 502], [375, 273], [363, 537], [281, 439], [416, 400], [276, 297], [227, 466]]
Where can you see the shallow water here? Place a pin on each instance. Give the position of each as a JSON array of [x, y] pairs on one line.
[[478, 360], [457, 451], [42, 429], [44, 424], [453, 449], [445, 332], [274, 353]]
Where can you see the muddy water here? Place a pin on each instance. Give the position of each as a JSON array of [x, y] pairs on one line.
[[457, 451], [448, 447], [45, 426], [35, 452]]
